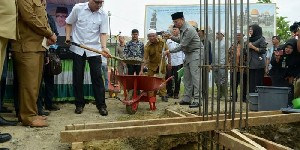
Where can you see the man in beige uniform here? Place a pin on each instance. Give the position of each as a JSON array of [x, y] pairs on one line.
[[28, 57], [153, 58], [7, 31]]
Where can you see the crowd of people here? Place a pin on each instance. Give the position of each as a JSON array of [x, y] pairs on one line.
[[88, 25]]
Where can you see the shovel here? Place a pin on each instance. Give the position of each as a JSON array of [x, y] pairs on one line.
[[160, 75], [95, 50], [127, 61]]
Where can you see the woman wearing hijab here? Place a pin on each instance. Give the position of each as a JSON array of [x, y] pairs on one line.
[[289, 63], [257, 48]]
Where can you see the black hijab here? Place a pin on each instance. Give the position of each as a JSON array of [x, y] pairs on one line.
[[257, 33], [293, 43]]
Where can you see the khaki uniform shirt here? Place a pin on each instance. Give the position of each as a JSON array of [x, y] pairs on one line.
[[153, 54], [8, 19], [33, 26]]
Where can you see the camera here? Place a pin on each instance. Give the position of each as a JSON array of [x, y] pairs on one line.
[[159, 33], [162, 32], [295, 27]]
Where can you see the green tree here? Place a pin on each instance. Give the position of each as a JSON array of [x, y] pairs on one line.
[[282, 25], [283, 28]]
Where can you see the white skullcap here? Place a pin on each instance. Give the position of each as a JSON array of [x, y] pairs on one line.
[[150, 31]]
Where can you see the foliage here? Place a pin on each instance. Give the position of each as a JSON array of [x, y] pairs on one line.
[[283, 28]]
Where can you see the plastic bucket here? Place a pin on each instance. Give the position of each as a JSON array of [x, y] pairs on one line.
[[296, 103]]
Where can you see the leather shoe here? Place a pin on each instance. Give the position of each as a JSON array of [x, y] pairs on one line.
[[194, 105], [164, 98], [5, 110], [52, 108], [4, 137], [78, 110], [184, 103], [4, 122], [103, 111], [38, 123], [4, 149], [43, 113]]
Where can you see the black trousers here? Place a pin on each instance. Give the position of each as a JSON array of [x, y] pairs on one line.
[[133, 69], [48, 92], [173, 72], [3, 82], [96, 76], [238, 81], [3, 86], [256, 79], [279, 81]]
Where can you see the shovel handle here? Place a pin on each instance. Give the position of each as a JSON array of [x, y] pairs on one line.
[[94, 50]]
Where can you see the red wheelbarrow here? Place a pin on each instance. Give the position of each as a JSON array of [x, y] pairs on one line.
[[143, 83]]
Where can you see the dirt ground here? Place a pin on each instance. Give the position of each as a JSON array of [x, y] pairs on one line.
[[26, 138]]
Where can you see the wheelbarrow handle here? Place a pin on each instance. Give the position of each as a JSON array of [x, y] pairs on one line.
[[164, 83], [94, 50]]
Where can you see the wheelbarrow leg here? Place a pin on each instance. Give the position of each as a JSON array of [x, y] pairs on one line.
[[131, 109], [152, 101]]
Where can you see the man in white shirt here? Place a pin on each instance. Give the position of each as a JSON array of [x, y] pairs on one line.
[[89, 24], [219, 72], [177, 63]]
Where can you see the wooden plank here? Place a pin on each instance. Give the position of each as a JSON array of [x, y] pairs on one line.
[[132, 123], [136, 131], [273, 119], [169, 128], [233, 143], [250, 114], [188, 114], [77, 146], [172, 113], [248, 140], [266, 143], [155, 121]]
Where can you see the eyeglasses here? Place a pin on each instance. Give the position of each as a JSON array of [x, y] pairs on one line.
[[98, 2]]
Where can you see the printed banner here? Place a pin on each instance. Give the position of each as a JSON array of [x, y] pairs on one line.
[[59, 10], [159, 17]]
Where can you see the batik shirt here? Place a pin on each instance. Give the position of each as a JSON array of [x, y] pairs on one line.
[[134, 49]]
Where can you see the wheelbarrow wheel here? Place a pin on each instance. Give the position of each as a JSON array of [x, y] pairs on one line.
[[132, 109]]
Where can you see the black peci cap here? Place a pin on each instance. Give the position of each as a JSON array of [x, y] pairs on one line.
[[63, 10], [177, 15]]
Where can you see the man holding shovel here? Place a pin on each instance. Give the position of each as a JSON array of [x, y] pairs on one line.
[[88, 23], [155, 61]]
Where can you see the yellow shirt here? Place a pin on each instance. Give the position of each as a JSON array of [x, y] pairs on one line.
[[33, 26], [153, 54], [8, 17]]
